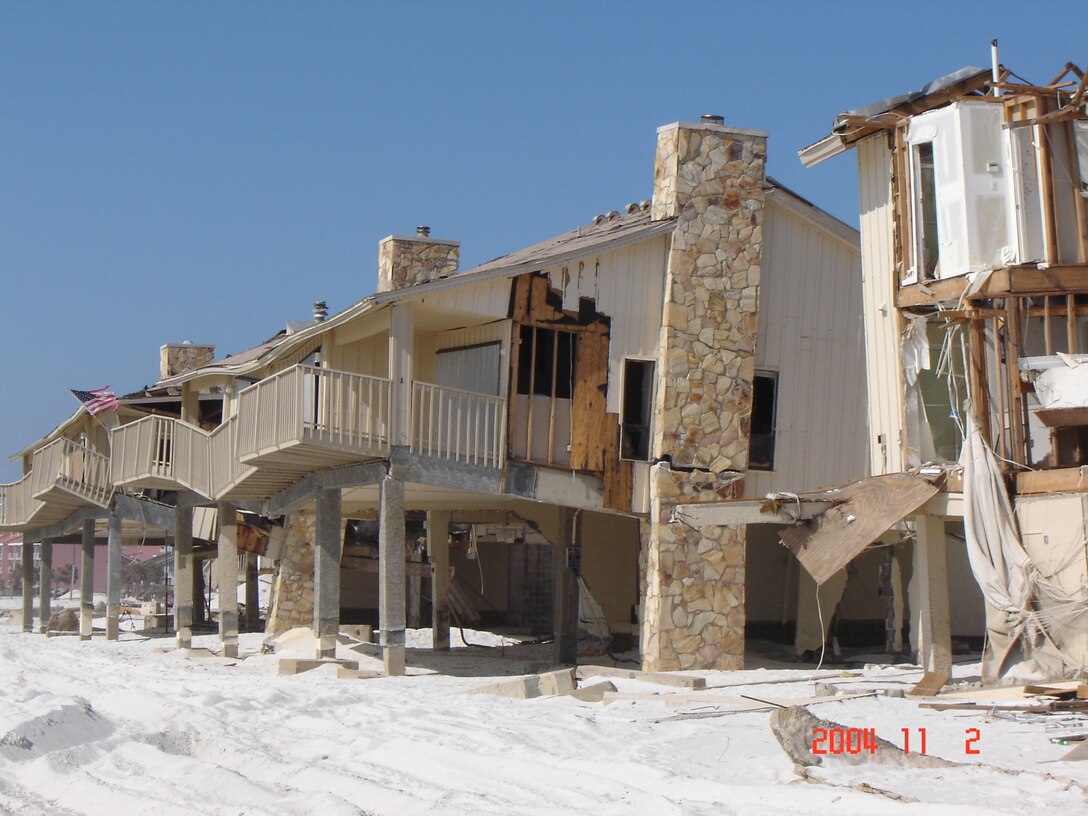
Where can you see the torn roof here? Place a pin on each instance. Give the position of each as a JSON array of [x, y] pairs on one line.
[[865, 120]]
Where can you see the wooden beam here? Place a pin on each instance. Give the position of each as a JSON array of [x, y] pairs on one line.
[[1058, 480], [930, 292]]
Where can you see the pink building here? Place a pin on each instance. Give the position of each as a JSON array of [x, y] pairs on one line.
[[11, 556]]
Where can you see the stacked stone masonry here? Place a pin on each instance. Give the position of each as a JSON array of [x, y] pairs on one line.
[[709, 178], [178, 358], [293, 603], [406, 262]]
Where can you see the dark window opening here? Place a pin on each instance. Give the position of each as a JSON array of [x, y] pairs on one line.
[[764, 411], [546, 362], [638, 389], [927, 241]]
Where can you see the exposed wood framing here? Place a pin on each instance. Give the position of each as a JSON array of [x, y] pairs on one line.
[[594, 445]]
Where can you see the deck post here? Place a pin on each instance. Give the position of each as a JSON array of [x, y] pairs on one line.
[[931, 571], [45, 584], [253, 593], [183, 576], [391, 574], [329, 536], [565, 615], [438, 549], [400, 372], [227, 574], [28, 584], [113, 578], [86, 581]]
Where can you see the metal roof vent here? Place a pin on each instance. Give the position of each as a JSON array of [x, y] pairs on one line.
[[423, 231], [321, 311], [712, 119]]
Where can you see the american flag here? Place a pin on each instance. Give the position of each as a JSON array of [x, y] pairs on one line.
[[97, 400]]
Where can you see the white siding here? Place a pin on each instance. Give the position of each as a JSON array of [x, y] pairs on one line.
[[488, 299], [628, 286], [427, 348], [810, 333], [881, 317]]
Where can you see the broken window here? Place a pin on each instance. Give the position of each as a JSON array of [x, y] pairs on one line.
[[638, 389], [926, 240], [546, 362], [764, 416]]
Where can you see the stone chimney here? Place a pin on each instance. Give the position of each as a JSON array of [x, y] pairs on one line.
[[405, 261], [710, 178], [177, 358]]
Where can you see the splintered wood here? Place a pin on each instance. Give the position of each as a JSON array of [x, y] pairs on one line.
[[863, 512]]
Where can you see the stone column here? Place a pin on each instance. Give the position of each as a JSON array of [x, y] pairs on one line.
[[113, 578], [709, 178], [86, 581], [932, 615], [391, 583], [565, 597], [438, 549], [227, 574], [183, 576], [28, 584], [45, 584], [327, 548]]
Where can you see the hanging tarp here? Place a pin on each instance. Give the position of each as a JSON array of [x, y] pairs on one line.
[[1002, 569]]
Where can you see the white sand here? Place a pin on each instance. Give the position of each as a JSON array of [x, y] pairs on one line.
[[138, 727]]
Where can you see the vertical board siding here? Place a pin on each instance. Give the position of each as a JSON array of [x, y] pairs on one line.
[[881, 317], [810, 333]]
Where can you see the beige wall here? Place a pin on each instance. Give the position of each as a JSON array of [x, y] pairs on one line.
[[610, 547]]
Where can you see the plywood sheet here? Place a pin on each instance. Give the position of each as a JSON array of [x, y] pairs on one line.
[[865, 510]]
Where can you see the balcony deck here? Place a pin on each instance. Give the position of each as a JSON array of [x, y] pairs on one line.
[[307, 418]]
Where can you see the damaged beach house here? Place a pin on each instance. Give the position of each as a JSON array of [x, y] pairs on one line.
[[973, 196], [517, 444]]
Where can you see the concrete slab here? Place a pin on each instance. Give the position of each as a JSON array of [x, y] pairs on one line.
[[594, 692], [661, 678], [298, 665]]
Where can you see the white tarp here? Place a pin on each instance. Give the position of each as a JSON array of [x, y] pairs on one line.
[[1002, 569], [1064, 386]]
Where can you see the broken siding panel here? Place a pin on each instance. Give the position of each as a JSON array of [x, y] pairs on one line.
[[489, 299], [628, 286], [810, 334]]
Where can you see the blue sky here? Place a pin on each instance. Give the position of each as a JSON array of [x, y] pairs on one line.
[[205, 171]]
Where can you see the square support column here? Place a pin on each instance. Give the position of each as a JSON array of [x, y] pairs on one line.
[[45, 584], [565, 618], [113, 578], [183, 576], [227, 564], [28, 585], [253, 593], [86, 581], [327, 551], [931, 572], [391, 574], [438, 549]]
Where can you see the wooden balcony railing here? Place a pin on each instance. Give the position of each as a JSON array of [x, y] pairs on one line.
[[224, 469], [314, 406], [73, 467], [17, 505], [460, 425]]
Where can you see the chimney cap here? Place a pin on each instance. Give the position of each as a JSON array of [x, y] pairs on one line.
[[321, 310], [423, 230], [712, 119]]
